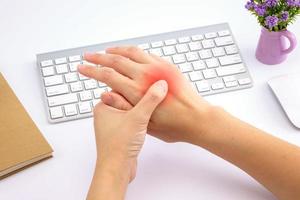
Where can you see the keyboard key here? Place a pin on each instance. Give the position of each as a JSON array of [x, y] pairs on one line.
[[195, 46], [203, 86], [85, 95], [211, 35], [73, 66], [182, 48], [199, 65], [48, 71], [212, 63], [192, 56], [76, 87], [184, 39], [101, 84], [61, 69], [46, 63], [90, 84], [61, 60], [231, 84], [209, 73], [179, 58], [57, 90], [144, 46], [74, 58], [71, 77], [170, 42], [156, 51], [204, 54], [244, 81], [196, 76], [231, 70], [186, 67], [218, 51], [53, 80], [197, 37], [229, 78], [157, 44], [70, 110], [217, 86], [62, 99], [232, 49], [223, 41], [56, 112], [208, 44], [224, 33], [170, 50], [98, 92], [84, 107], [229, 60]]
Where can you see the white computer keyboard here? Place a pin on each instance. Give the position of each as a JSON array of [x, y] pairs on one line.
[[207, 56]]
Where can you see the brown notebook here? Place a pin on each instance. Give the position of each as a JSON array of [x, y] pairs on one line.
[[21, 142]]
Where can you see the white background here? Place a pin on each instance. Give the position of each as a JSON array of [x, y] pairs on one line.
[[165, 171]]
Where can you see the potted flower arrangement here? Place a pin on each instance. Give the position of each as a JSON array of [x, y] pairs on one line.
[[274, 16]]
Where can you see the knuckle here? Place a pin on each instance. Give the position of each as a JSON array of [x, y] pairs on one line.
[[107, 73], [133, 50], [117, 60]]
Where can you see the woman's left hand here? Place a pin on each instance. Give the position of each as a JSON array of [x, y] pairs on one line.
[[120, 131]]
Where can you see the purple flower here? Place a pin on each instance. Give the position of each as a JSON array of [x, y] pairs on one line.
[[271, 21], [293, 3], [271, 3], [260, 10], [284, 16], [250, 5]]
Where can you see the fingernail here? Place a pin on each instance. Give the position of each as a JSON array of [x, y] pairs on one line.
[[162, 86]]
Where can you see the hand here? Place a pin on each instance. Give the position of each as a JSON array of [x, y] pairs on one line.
[[120, 134], [129, 72]]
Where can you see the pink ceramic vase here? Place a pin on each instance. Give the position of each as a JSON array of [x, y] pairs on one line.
[[273, 47]]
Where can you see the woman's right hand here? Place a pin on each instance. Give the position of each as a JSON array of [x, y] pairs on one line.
[[129, 71]]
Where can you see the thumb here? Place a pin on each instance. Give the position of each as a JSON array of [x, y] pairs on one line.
[[153, 97]]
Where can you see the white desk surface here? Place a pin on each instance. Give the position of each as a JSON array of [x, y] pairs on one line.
[[165, 171]]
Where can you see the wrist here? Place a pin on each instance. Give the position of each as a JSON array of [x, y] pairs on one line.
[[115, 167], [111, 178], [204, 119]]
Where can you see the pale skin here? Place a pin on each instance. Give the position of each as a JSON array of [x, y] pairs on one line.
[[180, 117]]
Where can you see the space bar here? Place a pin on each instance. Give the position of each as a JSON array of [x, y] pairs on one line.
[[62, 99]]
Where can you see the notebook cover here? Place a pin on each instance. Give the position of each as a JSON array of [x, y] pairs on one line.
[[21, 142]]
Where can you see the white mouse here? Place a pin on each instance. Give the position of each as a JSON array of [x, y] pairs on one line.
[[287, 90]]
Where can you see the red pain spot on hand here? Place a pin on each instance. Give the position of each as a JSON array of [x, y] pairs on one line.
[[167, 73]]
